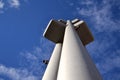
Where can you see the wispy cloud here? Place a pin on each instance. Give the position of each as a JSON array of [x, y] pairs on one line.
[[110, 63], [100, 14], [1, 4], [14, 3], [31, 65], [110, 66], [1, 79], [105, 52], [32, 60], [16, 74], [10, 4]]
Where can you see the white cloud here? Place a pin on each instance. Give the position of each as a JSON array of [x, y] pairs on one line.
[[32, 60], [16, 74], [1, 4], [100, 14], [105, 52], [14, 3], [30, 56], [31, 65], [86, 2], [1, 79], [110, 63], [10, 4]]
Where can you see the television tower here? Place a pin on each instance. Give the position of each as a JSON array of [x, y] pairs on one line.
[[70, 59]]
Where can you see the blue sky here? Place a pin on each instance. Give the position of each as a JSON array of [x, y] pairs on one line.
[[22, 46]]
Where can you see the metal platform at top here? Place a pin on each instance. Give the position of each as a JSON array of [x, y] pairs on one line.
[[56, 29]]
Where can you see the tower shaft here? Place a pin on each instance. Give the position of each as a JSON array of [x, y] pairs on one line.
[[52, 68], [75, 62]]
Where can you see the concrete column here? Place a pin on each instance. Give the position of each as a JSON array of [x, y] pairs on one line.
[[52, 68], [75, 62]]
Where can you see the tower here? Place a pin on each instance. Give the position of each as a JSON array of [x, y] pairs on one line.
[[70, 59]]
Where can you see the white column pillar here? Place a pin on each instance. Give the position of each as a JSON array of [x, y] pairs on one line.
[[52, 68], [75, 62]]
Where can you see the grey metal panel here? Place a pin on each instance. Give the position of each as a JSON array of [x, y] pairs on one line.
[[83, 32], [55, 31]]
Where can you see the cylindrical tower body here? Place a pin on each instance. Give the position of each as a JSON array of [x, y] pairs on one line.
[[75, 62], [52, 67]]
